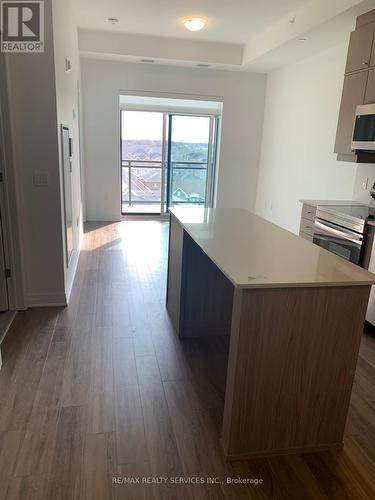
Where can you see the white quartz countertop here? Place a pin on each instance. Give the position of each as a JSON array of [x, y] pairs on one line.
[[254, 253]]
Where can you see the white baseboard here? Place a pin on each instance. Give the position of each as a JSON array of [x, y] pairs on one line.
[[47, 299], [99, 219], [72, 273], [56, 299]]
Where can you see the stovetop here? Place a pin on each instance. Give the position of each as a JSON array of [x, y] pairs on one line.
[[351, 217], [360, 212]]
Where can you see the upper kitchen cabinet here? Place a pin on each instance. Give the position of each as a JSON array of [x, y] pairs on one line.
[[359, 86], [360, 48], [353, 93], [370, 88]]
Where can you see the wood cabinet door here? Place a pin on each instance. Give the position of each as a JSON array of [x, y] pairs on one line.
[[353, 93], [370, 88], [372, 60], [360, 46]]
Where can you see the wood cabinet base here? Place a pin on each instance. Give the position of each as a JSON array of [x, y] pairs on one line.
[[292, 352]]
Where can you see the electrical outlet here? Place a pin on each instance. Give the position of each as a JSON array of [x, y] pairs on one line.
[[40, 178]]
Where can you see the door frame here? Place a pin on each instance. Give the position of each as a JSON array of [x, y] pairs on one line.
[[144, 110], [211, 154], [12, 225], [212, 157]]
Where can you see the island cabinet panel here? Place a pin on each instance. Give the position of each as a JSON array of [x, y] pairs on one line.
[[360, 48], [286, 392], [206, 295], [294, 325], [176, 236], [199, 296], [353, 94]]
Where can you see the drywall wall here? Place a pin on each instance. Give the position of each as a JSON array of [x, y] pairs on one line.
[[33, 117], [102, 82], [39, 100], [297, 159], [364, 180], [67, 98]]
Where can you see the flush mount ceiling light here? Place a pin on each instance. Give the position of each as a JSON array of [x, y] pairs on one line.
[[112, 20], [194, 23]]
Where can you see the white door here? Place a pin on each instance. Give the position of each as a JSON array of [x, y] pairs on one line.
[[4, 305]]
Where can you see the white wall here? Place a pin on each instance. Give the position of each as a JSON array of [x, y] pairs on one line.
[[66, 47], [33, 116], [103, 80], [297, 159], [39, 100], [364, 172]]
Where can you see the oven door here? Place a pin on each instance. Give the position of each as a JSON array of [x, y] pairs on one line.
[[340, 241]]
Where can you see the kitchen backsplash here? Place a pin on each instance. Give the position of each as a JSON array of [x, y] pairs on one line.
[[365, 171]]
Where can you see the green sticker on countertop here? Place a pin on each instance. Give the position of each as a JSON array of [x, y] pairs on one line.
[[256, 277]]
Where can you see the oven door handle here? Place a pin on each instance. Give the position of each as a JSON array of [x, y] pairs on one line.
[[354, 238]]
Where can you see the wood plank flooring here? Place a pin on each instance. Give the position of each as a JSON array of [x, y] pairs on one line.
[[103, 389]]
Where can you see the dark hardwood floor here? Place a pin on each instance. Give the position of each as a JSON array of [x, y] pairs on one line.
[[103, 389]]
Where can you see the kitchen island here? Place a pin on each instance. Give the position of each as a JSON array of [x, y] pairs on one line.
[[294, 314]]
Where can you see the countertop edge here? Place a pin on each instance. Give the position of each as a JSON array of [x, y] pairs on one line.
[[258, 285], [317, 284]]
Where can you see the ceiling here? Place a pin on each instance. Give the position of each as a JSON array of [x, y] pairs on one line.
[[243, 35], [233, 21]]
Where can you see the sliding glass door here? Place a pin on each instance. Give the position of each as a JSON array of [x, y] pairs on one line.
[[141, 161], [166, 160], [188, 159]]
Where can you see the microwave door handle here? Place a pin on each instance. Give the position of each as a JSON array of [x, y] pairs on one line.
[[336, 232]]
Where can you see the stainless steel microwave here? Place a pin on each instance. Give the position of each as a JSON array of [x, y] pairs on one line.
[[364, 128]]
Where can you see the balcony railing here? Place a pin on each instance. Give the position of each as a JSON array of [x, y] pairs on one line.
[[142, 182]]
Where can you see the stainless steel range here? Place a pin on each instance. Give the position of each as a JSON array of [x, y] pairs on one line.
[[342, 230]]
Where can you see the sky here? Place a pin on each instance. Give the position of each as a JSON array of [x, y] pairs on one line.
[[138, 125]]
